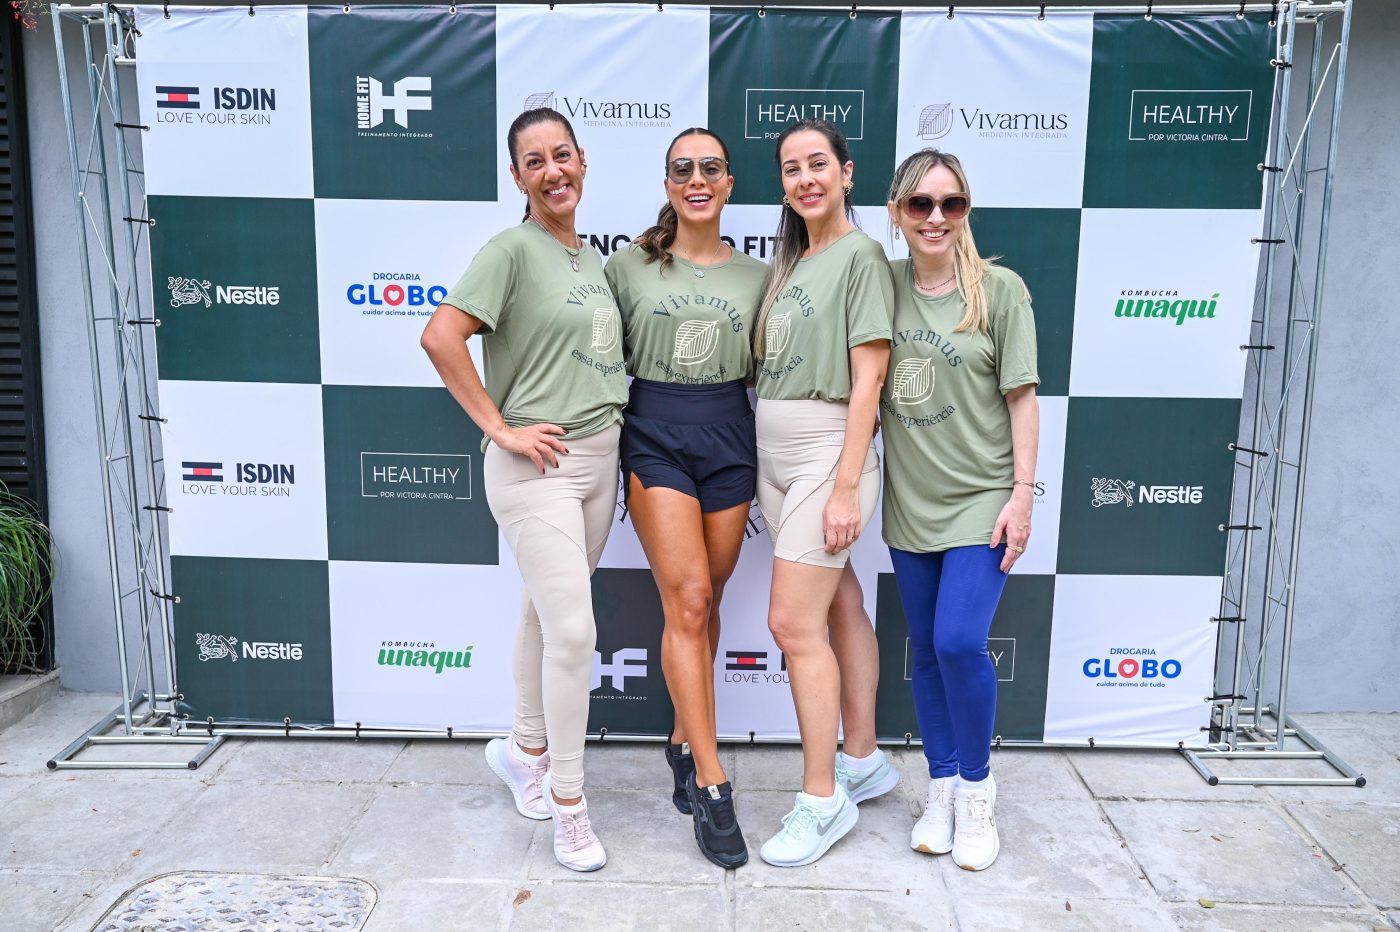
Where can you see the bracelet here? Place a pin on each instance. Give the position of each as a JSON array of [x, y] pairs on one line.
[[1016, 482]]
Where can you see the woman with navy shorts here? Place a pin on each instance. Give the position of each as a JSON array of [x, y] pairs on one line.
[[687, 302], [822, 345], [961, 428]]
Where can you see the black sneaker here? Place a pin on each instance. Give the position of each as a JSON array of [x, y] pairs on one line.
[[682, 766], [716, 827]]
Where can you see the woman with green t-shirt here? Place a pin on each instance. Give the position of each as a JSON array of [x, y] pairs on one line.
[[821, 345], [550, 413], [961, 428], [688, 461]]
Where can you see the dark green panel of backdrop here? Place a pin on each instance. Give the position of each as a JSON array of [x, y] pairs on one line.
[[1019, 645], [201, 245], [403, 478], [238, 628], [1042, 246], [631, 697], [446, 153], [1178, 111], [1125, 445], [765, 72]]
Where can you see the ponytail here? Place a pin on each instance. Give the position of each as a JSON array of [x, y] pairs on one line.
[[656, 241]]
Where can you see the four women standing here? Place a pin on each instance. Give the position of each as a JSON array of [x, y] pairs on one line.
[[680, 307]]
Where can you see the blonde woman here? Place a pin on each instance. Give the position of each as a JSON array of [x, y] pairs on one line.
[[961, 428]]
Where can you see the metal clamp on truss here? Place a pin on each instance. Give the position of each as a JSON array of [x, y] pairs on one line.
[[1235, 446]]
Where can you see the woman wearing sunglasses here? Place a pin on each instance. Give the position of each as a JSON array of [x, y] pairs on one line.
[[961, 428], [688, 461], [549, 411], [821, 345]]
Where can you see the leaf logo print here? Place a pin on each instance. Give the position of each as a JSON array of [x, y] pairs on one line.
[[695, 341], [775, 335], [912, 382], [604, 329]]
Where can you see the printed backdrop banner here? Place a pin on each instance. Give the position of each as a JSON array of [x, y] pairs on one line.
[[321, 177]]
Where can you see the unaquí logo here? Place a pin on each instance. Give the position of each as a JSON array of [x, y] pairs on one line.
[[1131, 666], [424, 655], [187, 291], [1165, 304], [225, 647], [938, 120], [1108, 491]]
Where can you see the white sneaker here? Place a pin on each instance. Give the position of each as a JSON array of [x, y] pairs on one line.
[[521, 778], [861, 785], [933, 833], [975, 840], [809, 830], [575, 845]]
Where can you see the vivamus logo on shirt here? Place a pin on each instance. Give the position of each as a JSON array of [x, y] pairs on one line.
[[695, 341], [604, 329], [775, 335], [912, 382]]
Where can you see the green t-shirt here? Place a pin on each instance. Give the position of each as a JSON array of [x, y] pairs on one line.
[[552, 336], [836, 299], [948, 467], [689, 324]]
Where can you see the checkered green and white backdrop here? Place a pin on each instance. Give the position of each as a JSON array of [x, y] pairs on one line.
[[319, 176]]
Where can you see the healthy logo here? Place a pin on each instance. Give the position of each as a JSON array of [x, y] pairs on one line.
[[372, 104], [695, 341], [912, 382], [768, 110], [629, 662], [604, 329], [1164, 304], [188, 291], [416, 476], [217, 647], [935, 121], [775, 335], [1111, 492], [1190, 116]]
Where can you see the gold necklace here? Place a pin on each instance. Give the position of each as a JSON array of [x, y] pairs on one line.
[[922, 287], [572, 253]]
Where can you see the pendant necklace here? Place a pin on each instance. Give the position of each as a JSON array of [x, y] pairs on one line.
[[922, 287], [573, 254], [699, 272]]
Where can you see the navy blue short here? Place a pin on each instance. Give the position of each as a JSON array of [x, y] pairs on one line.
[[696, 439]]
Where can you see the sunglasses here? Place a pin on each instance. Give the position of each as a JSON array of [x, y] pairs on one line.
[[952, 207], [712, 168]]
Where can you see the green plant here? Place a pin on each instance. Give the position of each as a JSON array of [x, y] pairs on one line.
[[26, 580]]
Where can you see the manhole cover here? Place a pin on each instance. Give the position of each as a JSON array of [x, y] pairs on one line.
[[185, 902]]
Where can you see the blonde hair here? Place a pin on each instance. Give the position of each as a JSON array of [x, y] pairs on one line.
[[969, 268]]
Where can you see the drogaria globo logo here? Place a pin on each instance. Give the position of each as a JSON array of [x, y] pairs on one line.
[[1131, 666]]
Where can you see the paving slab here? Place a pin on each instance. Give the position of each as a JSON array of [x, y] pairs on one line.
[[1230, 852], [1012, 914], [290, 760], [430, 832], [1059, 844], [1394, 918], [1365, 839], [772, 908], [1368, 752], [1230, 918], [43, 899], [1163, 774], [766, 767], [442, 762], [595, 903], [441, 903], [1038, 773]]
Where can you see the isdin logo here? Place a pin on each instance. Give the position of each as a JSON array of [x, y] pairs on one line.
[[372, 104], [629, 662], [604, 329], [1164, 304], [696, 341], [217, 647], [1111, 492], [775, 335], [188, 291], [935, 121], [912, 382]]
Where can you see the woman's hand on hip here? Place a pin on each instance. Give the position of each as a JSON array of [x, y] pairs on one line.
[[841, 519], [539, 442]]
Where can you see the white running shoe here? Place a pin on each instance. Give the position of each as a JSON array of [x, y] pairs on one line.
[[975, 840], [861, 785], [809, 830], [575, 845], [933, 833], [521, 778]]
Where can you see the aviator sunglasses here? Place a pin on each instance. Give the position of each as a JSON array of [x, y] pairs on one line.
[[953, 207], [712, 168]]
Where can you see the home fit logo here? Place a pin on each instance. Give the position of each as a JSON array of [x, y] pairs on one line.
[[225, 647], [373, 106], [395, 294], [769, 110], [1190, 116], [234, 106], [1108, 491], [1001, 650], [444, 477], [627, 663], [261, 480], [185, 291], [583, 111], [751, 668], [1131, 666], [938, 120], [423, 655], [1166, 304]]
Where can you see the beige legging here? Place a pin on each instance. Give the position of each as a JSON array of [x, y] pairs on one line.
[[556, 525]]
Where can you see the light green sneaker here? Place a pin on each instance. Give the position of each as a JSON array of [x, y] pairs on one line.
[[861, 785], [809, 830]]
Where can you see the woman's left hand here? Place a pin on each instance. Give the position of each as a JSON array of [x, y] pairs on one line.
[[1014, 523], [841, 519]]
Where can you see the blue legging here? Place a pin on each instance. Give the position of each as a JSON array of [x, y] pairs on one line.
[[949, 599]]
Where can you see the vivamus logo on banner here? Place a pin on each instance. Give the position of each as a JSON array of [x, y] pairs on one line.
[[1164, 304], [424, 655], [1189, 115], [373, 106], [625, 663], [1131, 667], [443, 477], [226, 647], [589, 111], [938, 120], [395, 294], [1106, 491], [182, 104], [188, 291], [768, 110]]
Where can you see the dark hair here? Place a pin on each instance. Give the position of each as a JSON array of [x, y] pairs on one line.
[[656, 240], [533, 118], [792, 238]]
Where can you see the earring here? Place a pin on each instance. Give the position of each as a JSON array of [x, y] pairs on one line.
[[896, 232], [847, 187], [786, 202]]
